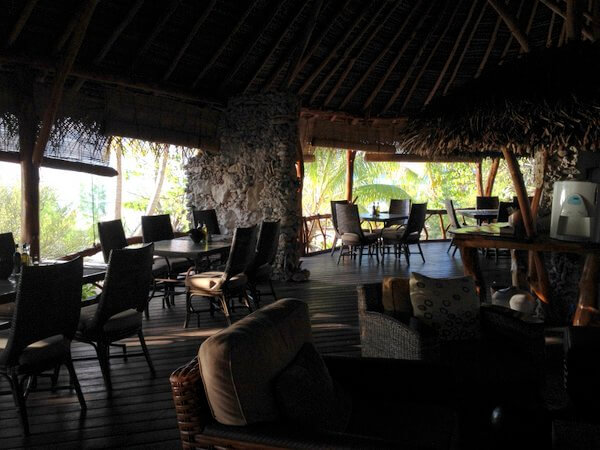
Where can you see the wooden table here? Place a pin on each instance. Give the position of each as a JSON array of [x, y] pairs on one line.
[[184, 247], [385, 218], [469, 239], [479, 214], [8, 288]]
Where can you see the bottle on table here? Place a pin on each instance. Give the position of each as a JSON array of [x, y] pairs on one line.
[[377, 209], [374, 210], [26, 255], [17, 260]]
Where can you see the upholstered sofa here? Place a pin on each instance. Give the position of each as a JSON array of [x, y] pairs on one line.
[[228, 395]]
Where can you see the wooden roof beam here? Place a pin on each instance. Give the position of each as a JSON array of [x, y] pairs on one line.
[[381, 54], [347, 51], [59, 81], [556, 9], [382, 157], [334, 51], [530, 22], [20, 23], [337, 143], [457, 42], [489, 48], [160, 24], [397, 58], [359, 52], [189, 38], [512, 24], [465, 48], [573, 20], [224, 45], [282, 35], [74, 166]]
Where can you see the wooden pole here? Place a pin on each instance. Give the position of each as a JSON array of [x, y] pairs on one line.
[[479, 179], [587, 306], [573, 20], [519, 185], [512, 24], [59, 82], [489, 184], [350, 156], [21, 21]]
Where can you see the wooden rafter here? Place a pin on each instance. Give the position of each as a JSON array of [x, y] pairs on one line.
[[334, 52], [67, 31], [189, 38], [102, 76], [550, 30], [573, 20], [397, 58], [240, 61], [489, 48], [299, 52], [450, 57], [59, 81], [556, 9], [20, 23], [430, 56], [510, 36], [383, 157], [365, 45], [465, 48], [224, 45], [160, 24], [317, 42], [512, 24], [284, 32], [381, 54], [530, 22], [112, 39]]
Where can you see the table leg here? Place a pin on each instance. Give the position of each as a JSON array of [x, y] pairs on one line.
[[470, 260], [587, 307], [442, 228]]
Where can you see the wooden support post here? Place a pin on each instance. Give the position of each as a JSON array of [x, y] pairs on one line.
[[350, 156], [587, 306], [470, 260], [512, 24], [573, 20], [59, 81], [489, 184], [479, 179], [519, 185]]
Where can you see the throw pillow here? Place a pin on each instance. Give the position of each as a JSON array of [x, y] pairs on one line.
[[448, 305], [308, 397], [396, 298]]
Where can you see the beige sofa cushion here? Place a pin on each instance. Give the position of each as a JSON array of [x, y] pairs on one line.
[[395, 297], [238, 365], [449, 305]]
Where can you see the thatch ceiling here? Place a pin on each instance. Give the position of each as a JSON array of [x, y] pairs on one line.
[[367, 58]]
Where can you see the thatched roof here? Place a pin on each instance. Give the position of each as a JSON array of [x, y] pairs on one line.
[[371, 60]]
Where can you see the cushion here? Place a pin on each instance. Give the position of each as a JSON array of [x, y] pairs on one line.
[[396, 298], [238, 365], [7, 310], [209, 281], [393, 232], [448, 305], [125, 322], [40, 354], [307, 396]]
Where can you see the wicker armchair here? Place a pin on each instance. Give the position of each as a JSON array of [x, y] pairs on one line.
[[508, 336]]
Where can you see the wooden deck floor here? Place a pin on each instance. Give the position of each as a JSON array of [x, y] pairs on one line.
[[140, 412]]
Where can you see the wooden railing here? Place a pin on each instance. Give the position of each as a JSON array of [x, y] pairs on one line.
[[317, 230]]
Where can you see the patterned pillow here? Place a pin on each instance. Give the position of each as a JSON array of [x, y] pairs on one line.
[[448, 305]]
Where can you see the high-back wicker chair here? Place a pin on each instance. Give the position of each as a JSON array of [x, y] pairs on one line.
[[503, 211], [454, 223], [334, 222], [45, 319], [486, 202], [157, 228], [410, 233], [112, 237], [119, 312], [352, 234], [399, 206], [220, 286], [7, 251], [262, 266], [207, 217]]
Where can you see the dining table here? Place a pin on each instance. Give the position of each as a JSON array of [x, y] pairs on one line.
[[480, 215], [383, 217]]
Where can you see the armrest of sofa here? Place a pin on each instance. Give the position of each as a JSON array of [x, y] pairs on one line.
[[513, 329], [411, 381], [382, 336]]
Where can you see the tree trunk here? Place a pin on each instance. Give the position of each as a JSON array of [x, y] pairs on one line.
[[117, 144], [160, 178]]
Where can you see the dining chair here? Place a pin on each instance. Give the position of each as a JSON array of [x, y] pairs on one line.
[[112, 237], [486, 202], [261, 268], [454, 223], [334, 222], [118, 314], [219, 287], [44, 322], [207, 217], [399, 206], [159, 228], [409, 234], [7, 252], [504, 209], [353, 236]]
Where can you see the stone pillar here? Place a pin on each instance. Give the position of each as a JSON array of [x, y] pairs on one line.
[[253, 177]]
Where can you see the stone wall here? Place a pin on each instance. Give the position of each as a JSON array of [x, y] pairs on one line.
[[252, 178]]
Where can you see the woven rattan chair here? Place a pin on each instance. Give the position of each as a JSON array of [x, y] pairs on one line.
[[399, 206], [46, 314], [485, 202], [454, 223], [7, 251], [353, 236], [408, 234], [261, 268], [118, 314], [334, 222], [220, 287], [207, 217]]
